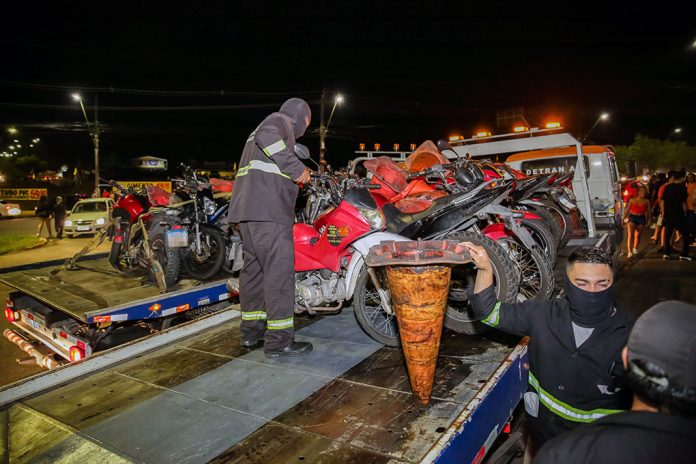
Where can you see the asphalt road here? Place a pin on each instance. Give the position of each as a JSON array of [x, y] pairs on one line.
[[24, 225]]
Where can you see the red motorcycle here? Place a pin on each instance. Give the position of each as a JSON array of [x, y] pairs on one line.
[[146, 236], [330, 250]]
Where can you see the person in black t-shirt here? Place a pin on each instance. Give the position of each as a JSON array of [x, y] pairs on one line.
[[674, 215]]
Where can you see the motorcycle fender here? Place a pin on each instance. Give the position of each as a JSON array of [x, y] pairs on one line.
[[496, 231], [528, 215], [362, 247]]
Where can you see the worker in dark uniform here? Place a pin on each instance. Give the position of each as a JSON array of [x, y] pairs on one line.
[[575, 368], [263, 203], [661, 426]]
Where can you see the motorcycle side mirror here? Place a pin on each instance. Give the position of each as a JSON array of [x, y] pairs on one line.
[[301, 151], [443, 145]]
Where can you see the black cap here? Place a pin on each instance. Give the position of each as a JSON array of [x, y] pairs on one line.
[[665, 335]]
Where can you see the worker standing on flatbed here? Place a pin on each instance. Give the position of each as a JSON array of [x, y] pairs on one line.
[[575, 368], [263, 203]]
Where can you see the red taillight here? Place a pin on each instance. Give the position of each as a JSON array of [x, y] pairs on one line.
[[118, 238], [76, 353], [10, 314]]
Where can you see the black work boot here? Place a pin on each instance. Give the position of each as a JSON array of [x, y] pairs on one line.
[[252, 342], [293, 349]]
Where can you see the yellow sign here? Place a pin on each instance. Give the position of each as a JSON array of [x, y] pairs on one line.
[[137, 185], [22, 193]]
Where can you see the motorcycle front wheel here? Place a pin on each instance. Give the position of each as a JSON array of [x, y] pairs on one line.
[[209, 261], [370, 312]]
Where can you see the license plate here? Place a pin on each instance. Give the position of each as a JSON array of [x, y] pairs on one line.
[[82, 227], [566, 203], [177, 238]]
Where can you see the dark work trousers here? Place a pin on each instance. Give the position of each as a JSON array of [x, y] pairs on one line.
[[267, 283], [691, 221], [680, 225], [60, 223]]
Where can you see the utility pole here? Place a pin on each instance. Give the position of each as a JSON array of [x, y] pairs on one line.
[[96, 147], [322, 134]]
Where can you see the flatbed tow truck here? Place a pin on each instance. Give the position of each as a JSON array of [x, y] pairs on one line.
[[192, 393]]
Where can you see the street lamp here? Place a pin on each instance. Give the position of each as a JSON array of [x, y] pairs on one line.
[[12, 130], [94, 135], [602, 117], [323, 130]]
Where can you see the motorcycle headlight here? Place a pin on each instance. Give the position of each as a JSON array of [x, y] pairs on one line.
[[209, 206], [101, 221], [374, 217], [68, 222]]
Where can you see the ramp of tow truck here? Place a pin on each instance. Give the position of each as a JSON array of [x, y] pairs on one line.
[[94, 288], [208, 399]]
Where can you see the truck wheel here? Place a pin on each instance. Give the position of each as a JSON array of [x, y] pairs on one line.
[[213, 253], [369, 311], [459, 316], [534, 271], [543, 237]]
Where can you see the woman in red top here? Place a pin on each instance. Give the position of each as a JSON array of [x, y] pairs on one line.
[[636, 216]]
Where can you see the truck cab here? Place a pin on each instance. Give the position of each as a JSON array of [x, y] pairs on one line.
[[600, 169]]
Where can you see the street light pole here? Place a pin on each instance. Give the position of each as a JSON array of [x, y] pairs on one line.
[[323, 129], [94, 135], [601, 117]]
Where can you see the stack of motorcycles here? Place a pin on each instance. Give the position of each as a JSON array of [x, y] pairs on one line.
[[521, 221], [163, 233]]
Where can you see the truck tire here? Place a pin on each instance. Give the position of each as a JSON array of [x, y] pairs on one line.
[[214, 253], [543, 237], [459, 316]]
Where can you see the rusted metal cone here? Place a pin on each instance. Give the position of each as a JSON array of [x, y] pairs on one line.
[[419, 297]]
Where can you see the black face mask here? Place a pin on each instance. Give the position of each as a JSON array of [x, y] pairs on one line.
[[589, 308]]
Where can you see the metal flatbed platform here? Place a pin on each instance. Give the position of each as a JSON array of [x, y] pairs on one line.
[[94, 289], [208, 399]]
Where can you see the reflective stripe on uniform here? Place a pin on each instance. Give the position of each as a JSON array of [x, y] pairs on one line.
[[274, 148], [261, 166], [280, 324], [564, 410], [253, 315], [493, 318]]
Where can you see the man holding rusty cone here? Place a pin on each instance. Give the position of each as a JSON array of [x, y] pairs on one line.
[[575, 368]]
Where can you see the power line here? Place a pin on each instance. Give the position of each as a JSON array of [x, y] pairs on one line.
[[153, 92], [146, 108]]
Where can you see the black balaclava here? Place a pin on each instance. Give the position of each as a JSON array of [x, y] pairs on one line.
[[297, 109], [589, 309]]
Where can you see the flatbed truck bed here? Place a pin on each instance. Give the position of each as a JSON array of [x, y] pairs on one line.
[[64, 308], [207, 399]]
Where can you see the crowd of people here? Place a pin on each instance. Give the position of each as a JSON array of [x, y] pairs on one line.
[[667, 203]]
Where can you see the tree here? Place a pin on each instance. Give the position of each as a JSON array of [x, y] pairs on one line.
[[656, 154]]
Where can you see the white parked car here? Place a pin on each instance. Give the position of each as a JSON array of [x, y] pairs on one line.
[[8, 209], [88, 216]]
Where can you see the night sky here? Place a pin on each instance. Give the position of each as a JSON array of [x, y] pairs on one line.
[[190, 83]]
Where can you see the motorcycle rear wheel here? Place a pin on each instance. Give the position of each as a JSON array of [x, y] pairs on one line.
[[543, 236], [169, 258], [459, 316], [534, 271]]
